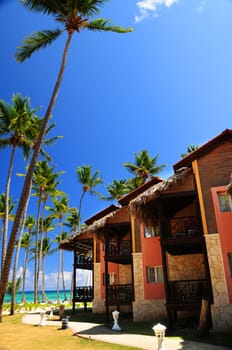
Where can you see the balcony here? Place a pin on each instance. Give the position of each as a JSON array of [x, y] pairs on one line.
[[119, 252], [84, 261], [183, 236], [83, 294], [186, 294], [120, 294]]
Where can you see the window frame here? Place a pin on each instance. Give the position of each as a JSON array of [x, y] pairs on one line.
[[154, 274]]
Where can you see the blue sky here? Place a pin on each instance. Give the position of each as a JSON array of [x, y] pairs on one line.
[[163, 87]]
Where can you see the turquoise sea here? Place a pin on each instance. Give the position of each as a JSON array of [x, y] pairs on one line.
[[29, 296]]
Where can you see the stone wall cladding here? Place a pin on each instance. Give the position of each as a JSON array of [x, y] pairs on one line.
[[98, 303], [185, 267], [138, 276], [125, 274], [221, 309], [149, 310]]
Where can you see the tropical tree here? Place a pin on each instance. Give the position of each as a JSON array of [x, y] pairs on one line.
[[72, 220], [190, 149], [26, 245], [16, 125], [116, 189], [74, 19], [59, 211], [144, 166], [44, 185], [89, 182]]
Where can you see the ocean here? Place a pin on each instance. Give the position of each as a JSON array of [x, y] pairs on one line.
[[29, 296]]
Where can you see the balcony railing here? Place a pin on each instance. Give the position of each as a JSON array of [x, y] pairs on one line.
[[187, 292], [83, 294], [120, 294], [184, 227], [117, 249], [82, 259]]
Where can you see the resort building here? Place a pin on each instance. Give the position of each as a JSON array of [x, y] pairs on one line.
[[166, 252]]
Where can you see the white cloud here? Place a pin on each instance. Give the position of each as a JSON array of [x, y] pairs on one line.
[[149, 8]]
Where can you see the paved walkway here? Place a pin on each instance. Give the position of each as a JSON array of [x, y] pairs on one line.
[[101, 333]]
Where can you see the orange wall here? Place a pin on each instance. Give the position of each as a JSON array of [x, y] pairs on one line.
[[151, 253], [224, 224]]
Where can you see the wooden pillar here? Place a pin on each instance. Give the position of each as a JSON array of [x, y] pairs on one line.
[[106, 276], [74, 281]]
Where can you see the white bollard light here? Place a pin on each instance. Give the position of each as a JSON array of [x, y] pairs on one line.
[[159, 331], [42, 318], [115, 317]]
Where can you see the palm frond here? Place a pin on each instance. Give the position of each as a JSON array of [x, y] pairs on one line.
[[35, 42], [102, 24], [46, 6], [88, 7]]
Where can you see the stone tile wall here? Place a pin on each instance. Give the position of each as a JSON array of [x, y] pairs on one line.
[[221, 310]]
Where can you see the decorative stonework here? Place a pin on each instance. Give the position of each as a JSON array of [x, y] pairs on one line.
[[138, 277], [149, 310], [185, 267], [98, 303], [125, 276], [221, 309]]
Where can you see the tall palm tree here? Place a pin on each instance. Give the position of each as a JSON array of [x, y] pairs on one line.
[[74, 19], [88, 180], [59, 211], [72, 220], [144, 166], [116, 189], [44, 185], [16, 125], [11, 206], [26, 244]]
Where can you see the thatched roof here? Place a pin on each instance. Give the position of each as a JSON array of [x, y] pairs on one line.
[[139, 206], [96, 228]]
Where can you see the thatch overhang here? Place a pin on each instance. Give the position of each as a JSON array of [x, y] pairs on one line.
[[125, 200], [141, 207], [117, 218], [225, 136]]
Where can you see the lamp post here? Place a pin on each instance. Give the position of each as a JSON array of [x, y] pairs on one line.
[[159, 331], [115, 317]]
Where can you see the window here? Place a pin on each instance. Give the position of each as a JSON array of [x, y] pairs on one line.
[[112, 278], [230, 263], [154, 274], [225, 202], [151, 231]]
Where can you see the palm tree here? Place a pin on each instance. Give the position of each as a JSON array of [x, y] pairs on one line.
[[44, 185], [26, 244], [88, 180], [116, 189], [190, 149], [72, 220], [16, 125], [74, 19], [144, 165], [59, 211], [11, 206]]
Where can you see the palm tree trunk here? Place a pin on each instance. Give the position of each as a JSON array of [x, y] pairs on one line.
[[62, 269], [14, 280], [23, 300], [80, 208], [28, 179], [37, 262], [6, 214]]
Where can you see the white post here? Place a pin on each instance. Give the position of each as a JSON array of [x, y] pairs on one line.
[[115, 317], [42, 318], [159, 331]]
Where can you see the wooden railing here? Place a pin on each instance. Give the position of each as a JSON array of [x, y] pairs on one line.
[[83, 294], [116, 249], [184, 227], [120, 294], [187, 292]]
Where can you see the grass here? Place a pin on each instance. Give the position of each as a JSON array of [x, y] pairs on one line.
[[15, 335], [18, 336]]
